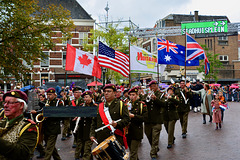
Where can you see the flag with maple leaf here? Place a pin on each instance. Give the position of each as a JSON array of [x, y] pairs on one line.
[[82, 62]]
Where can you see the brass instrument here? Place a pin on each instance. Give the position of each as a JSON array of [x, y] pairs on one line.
[[40, 118], [148, 98]]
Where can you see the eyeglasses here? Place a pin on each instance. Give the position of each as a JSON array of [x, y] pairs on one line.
[[10, 103]]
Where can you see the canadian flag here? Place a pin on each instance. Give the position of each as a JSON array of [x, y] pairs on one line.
[[82, 62]]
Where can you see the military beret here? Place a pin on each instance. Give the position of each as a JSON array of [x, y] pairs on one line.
[[134, 89], [172, 88], [17, 94], [126, 90], [118, 88], [153, 82], [111, 86], [87, 93], [50, 90], [77, 88]]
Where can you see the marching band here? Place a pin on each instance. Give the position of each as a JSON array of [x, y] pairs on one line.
[[123, 116]]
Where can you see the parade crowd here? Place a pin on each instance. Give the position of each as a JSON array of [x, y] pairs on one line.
[[123, 116]]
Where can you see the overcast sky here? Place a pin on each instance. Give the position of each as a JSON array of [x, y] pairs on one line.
[[146, 12]]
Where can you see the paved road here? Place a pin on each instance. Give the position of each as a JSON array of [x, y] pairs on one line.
[[203, 142]]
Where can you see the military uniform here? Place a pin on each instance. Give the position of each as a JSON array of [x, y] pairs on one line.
[[18, 138], [51, 129], [116, 112], [66, 120], [170, 116], [135, 129], [153, 124], [75, 102], [183, 107], [83, 136]]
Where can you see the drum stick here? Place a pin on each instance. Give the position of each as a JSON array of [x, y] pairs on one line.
[[94, 140], [101, 128], [76, 126]]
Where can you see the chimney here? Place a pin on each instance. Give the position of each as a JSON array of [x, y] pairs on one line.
[[196, 15]]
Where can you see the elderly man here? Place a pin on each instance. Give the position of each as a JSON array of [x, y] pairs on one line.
[[18, 135]]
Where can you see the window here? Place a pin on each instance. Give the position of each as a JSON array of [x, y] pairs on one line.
[[63, 59], [45, 60], [83, 36], [44, 77], [208, 43], [223, 40], [223, 57]]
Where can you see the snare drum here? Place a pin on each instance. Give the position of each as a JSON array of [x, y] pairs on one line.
[[110, 148]]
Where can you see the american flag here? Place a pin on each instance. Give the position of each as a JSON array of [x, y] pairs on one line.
[[114, 60], [195, 51]]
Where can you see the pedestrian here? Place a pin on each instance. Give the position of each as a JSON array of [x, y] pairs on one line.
[[138, 114], [18, 135], [222, 101], [153, 124], [216, 111], [207, 97]]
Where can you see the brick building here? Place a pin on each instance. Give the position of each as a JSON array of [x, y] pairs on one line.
[[224, 44], [52, 69]]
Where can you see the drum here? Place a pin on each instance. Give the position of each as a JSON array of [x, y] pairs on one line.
[[110, 148]]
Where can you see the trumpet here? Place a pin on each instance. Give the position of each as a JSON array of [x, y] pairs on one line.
[[40, 118], [148, 98]]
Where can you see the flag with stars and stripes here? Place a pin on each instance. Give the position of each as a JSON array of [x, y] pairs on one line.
[[113, 59]]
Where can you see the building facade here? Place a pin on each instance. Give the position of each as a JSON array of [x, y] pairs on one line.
[[224, 44], [52, 69]]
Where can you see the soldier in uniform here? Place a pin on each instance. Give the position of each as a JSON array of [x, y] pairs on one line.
[[170, 114], [184, 95], [138, 114], [83, 140], [153, 124], [66, 120], [51, 127], [18, 135], [119, 93], [77, 101], [113, 109]]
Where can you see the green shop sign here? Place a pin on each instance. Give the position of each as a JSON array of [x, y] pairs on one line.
[[204, 27]]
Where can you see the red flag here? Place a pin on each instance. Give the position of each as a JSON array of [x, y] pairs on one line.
[[82, 62]]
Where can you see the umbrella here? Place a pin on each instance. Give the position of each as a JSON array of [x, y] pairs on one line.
[[234, 87], [26, 88], [94, 84]]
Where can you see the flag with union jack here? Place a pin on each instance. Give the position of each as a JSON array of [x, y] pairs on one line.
[[171, 53], [195, 51]]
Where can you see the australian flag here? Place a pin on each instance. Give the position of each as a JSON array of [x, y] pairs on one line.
[[195, 51], [171, 53]]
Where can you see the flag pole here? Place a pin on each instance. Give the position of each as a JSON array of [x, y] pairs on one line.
[[129, 43], [185, 67]]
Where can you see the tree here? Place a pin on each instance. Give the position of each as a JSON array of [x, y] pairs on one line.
[[215, 65], [114, 39], [25, 31]]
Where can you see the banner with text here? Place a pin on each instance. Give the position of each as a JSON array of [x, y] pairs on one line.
[[141, 61]]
